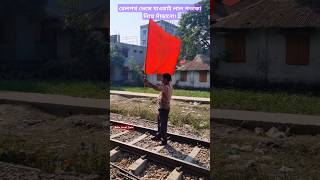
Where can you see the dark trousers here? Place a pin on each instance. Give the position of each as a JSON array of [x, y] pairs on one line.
[[163, 123]]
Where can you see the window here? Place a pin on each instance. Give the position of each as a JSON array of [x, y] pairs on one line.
[[134, 51], [141, 52], [235, 44], [183, 75], [144, 33], [202, 76], [158, 77], [298, 46], [144, 42]]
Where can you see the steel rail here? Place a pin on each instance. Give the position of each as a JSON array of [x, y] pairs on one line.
[[171, 136], [162, 159]]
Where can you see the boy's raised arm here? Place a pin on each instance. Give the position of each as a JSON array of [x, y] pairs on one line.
[[154, 86]]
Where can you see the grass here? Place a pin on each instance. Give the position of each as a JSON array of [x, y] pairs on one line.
[[176, 92], [266, 101], [196, 116], [237, 99], [86, 89], [70, 88]]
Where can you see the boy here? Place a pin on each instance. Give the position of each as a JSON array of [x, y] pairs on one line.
[[164, 105]]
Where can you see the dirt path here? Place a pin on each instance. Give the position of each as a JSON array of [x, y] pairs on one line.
[[244, 154], [13, 172], [51, 143]]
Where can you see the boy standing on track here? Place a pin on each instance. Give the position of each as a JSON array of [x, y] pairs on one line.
[[164, 105]]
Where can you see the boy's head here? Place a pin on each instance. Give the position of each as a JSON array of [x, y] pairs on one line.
[[166, 78]]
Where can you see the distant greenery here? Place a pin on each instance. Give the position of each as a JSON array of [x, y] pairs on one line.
[[116, 57], [251, 100], [85, 89], [136, 72], [89, 89], [194, 32], [176, 92], [266, 101]]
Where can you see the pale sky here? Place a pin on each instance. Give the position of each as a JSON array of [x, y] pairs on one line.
[[128, 24]]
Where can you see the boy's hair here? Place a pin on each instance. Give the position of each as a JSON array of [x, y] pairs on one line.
[[167, 76]]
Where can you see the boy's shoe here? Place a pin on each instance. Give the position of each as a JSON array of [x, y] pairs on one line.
[[163, 142]]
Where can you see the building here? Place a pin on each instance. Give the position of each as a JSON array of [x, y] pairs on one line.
[[168, 27], [114, 39], [194, 74], [130, 52], [255, 45], [28, 42]]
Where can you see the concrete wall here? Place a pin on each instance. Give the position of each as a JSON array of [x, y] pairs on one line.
[[266, 59], [138, 53], [235, 70], [279, 71]]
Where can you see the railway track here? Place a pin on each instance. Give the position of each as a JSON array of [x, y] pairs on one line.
[[134, 155]]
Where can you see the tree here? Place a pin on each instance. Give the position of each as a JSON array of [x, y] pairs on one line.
[[88, 45], [116, 58], [136, 72], [194, 32]]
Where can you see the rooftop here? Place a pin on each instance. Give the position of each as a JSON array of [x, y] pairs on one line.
[[199, 63], [273, 14]]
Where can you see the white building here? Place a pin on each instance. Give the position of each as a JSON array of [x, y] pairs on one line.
[[257, 46], [168, 27], [194, 74]]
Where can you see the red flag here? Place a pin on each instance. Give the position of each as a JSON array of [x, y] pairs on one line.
[[162, 51]]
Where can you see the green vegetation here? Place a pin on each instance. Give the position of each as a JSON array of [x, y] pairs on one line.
[[70, 88], [266, 101], [251, 100], [88, 89], [194, 31], [180, 113], [176, 92]]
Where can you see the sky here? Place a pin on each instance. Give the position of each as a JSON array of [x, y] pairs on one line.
[[128, 24]]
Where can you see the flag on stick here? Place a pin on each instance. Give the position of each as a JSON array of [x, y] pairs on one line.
[[163, 50]]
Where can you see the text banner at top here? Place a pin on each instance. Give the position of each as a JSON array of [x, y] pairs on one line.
[[159, 11]]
